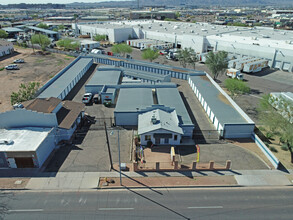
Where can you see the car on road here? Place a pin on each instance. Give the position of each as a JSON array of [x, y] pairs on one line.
[[12, 67], [18, 61], [87, 98], [163, 52]]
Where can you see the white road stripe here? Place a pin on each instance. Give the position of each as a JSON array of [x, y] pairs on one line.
[[255, 96], [26, 210], [113, 209], [206, 207]]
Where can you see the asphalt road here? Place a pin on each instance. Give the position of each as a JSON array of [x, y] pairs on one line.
[[225, 203]]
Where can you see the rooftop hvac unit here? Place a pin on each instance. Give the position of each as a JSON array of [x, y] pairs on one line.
[[191, 31], [288, 42], [160, 24], [254, 38]]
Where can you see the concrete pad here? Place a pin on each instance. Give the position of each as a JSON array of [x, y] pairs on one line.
[[36, 183], [89, 183], [260, 180]]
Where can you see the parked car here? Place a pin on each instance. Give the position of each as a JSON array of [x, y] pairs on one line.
[[12, 67], [87, 98], [18, 61], [96, 98], [163, 52]]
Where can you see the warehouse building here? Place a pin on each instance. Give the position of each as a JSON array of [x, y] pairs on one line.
[[51, 34], [12, 32], [276, 46], [228, 119], [6, 48], [61, 84]]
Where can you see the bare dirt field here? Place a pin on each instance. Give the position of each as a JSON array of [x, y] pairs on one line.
[[37, 67]]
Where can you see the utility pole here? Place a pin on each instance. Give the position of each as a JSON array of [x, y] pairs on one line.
[[119, 159], [108, 144]]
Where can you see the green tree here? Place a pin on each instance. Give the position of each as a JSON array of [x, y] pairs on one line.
[[55, 29], [236, 87], [68, 44], [42, 25], [100, 37], [192, 59], [277, 115], [217, 62], [177, 14], [121, 49], [150, 54], [25, 92], [187, 55], [3, 34], [41, 39], [61, 27]]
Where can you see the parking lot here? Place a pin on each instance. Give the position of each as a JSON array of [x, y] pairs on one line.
[[241, 158], [89, 151]]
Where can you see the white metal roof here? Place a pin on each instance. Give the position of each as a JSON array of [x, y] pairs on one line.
[[24, 139]]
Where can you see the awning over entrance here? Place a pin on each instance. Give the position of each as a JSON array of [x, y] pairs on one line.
[[162, 135]]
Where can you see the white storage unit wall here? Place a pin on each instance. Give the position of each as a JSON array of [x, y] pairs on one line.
[[61, 84], [226, 116]]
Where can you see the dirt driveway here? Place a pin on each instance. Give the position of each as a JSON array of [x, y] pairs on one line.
[[39, 68]]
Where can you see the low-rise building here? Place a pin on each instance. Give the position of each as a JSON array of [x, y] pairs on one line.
[[6, 48], [31, 133]]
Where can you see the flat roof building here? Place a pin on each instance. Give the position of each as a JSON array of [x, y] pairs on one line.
[[61, 84], [263, 42]]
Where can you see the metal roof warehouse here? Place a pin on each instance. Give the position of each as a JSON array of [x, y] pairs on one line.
[[65, 80]]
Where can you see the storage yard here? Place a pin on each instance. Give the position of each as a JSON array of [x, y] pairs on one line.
[[37, 68]]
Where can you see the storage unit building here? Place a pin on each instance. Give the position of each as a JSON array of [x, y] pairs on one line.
[[129, 104], [170, 97], [226, 119], [61, 84]]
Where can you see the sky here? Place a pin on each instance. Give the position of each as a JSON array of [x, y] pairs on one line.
[[5, 2]]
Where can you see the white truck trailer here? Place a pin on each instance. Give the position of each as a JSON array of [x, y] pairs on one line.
[[256, 66], [240, 64], [234, 74]]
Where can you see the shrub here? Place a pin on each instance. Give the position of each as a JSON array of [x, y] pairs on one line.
[[282, 140], [284, 147], [1, 69], [273, 149], [269, 135]]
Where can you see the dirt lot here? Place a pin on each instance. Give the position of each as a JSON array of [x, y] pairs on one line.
[[38, 68]]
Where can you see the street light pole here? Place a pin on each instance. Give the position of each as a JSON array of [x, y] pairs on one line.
[[108, 144], [119, 159]]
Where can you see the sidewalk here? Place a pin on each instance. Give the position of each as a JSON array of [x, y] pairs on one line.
[[76, 181]]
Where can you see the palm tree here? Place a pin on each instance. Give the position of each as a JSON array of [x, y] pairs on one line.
[[217, 62]]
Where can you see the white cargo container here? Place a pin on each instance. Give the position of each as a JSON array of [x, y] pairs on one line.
[[240, 64], [256, 66]]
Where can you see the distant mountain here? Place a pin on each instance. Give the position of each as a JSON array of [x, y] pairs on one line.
[[172, 3]]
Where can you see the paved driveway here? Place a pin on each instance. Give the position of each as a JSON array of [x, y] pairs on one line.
[[241, 158]]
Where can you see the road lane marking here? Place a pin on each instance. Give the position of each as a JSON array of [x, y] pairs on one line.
[[113, 209], [26, 210], [206, 207], [255, 96]]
